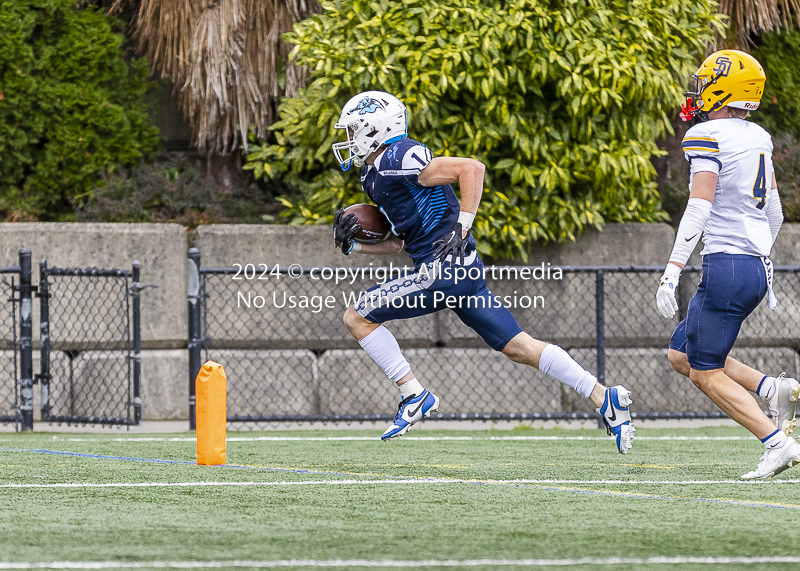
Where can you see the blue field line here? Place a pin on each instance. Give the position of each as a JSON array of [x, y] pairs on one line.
[[187, 463], [474, 482]]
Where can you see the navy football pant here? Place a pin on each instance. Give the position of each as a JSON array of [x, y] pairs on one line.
[[429, 290], [732, 287]]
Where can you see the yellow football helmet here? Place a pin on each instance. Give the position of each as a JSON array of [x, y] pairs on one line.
[[727, 77]]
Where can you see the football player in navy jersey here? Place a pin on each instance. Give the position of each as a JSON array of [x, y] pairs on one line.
[[412, 188]]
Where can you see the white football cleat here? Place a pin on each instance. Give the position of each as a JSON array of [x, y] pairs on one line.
[[617, 417], [783, 404], [776, 461], [410, 411]]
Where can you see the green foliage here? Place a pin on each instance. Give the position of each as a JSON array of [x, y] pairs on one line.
[[562, 100], [787, 172], [174, 190], [779, 53], [70, 107]]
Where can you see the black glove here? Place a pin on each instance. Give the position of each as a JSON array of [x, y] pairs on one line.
[[453, 244], [343, 231]]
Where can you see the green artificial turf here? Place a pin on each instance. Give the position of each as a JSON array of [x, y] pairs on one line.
[[479, 518]]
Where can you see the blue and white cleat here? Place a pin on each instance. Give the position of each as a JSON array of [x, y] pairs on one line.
[[410, 411], [783, 404], [617, 417]]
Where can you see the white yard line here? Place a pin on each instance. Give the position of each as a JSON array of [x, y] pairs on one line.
[[393, 563], [390, 481], [222, 484]]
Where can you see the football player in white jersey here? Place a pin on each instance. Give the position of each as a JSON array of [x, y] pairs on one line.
[[734, 204]]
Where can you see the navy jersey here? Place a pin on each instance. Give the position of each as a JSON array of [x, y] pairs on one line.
[[419, 215]]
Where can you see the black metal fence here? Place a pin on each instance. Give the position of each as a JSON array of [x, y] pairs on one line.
[[289, 358], [16, 347], [90, 343]]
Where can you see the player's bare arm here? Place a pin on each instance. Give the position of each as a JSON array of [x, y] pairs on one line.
[[389, 247], [468, 173]]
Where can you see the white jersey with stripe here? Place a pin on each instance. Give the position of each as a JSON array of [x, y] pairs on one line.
[[740, 154]]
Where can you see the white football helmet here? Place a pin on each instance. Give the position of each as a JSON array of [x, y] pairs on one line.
[[371, 119]]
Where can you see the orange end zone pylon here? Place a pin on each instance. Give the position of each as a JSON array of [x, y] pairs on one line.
[[212, 410]]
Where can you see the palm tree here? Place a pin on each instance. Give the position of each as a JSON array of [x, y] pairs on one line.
[[754, 17], [229, 66], [226, 60]]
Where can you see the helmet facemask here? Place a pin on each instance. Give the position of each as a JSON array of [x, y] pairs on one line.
[[694, 99], [356, 155]]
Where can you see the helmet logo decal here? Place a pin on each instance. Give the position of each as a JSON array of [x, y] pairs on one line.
[[723, 66], [368, 105]]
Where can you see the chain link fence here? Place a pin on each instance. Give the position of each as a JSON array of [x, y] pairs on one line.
[[9, 351], [90, 344], [289, 357], [16, 396]]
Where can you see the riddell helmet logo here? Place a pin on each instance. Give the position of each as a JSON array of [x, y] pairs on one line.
[[748, 105]]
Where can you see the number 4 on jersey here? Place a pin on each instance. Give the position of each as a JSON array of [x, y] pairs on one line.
[[760, 187]]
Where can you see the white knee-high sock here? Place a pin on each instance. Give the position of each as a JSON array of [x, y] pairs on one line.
[[558, 364], [384, 350]]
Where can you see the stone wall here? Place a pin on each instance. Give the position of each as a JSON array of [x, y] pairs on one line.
[[326, 349], [160, 248]]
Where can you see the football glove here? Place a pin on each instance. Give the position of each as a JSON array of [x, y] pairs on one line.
[[452, 244], [344, 228], [665, 296]]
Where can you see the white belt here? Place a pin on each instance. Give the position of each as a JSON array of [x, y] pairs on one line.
[[772, 301], [468, 259]]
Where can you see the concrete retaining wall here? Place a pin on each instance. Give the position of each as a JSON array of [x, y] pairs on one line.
[[271, 335], [161, 249]]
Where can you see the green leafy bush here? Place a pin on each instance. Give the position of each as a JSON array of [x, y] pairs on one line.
[[787, 172], [779, 54], [562, 100], [174, 190], [70, 106]]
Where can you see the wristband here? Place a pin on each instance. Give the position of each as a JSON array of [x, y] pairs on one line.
[[356, 247], [466, 219]]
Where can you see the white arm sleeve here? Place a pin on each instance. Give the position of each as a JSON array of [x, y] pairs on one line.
[[774, 212], [691, 227]]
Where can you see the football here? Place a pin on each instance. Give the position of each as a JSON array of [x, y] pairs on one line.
[[374, 225]]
